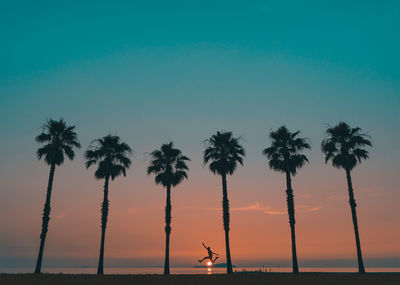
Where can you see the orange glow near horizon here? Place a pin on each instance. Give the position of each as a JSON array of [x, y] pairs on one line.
[[259, 234], [209, 263]]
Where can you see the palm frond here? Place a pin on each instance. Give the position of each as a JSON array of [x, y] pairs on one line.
[[61, 140], [111, 155], [285, 152], [223, 152], [343, 145], [168, 164]]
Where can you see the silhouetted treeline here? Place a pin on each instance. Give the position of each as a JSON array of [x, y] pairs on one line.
[[343, 146]]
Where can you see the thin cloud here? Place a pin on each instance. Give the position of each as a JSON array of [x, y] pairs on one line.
[[250, 208], [307, 208], [275, 212], [254, 207], [257, 207], [131, 210], [268, 210], [59, 217], [336, 197], [371, 192], [313, 209]]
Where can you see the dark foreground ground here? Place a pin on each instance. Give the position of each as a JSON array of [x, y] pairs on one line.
[[217, 279]]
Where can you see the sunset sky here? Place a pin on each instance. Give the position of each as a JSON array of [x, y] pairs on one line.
[[173, 71]]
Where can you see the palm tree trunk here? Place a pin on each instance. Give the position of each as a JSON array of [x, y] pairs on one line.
[[104, 215], [353, 205], [290, 205], [167, 229], [45, 219], [225, 210]]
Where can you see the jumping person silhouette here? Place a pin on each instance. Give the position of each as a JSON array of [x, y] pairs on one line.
[[210, 254]]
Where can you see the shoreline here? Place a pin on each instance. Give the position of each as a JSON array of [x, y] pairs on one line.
[[253, 278]]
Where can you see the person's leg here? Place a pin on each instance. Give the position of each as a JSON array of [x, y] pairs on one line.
[[201, 260], [215, 259]]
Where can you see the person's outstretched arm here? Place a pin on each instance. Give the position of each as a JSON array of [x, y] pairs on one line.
[[204, 245]]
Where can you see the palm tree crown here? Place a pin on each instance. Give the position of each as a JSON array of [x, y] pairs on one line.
[[284, 154], [111, 156], [224, 152], [60, 140], [169, 165], [343, 145]]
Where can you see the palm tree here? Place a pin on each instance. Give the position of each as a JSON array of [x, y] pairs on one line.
[[111, 155], [59, 140], [344, 146], [223, 152], [169, 166], [285, 156]]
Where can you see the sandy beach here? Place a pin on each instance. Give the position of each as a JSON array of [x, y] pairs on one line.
[[253, 279]]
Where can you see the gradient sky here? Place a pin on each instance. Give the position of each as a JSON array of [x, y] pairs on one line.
[[180, 71]]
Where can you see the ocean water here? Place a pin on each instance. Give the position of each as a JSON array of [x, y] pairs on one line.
[[192, 270]]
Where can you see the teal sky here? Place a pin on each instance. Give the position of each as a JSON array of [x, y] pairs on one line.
[[214, 64], [180, 70]]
